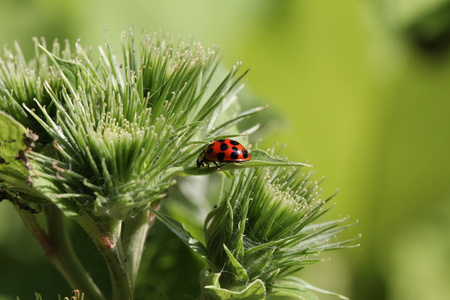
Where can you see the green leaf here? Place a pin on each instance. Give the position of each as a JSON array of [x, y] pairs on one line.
[[260, 158], [17, 173], [294, 293], [255, 290], [298, 288], [181, 232], [13, 162], [11, 138], [291, 288], [239, 270], [68, 69], [209, 279]]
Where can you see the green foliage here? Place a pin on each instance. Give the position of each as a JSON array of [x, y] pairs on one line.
[[12, 147], [116, 134], [121, 131], [262, 232], [15, 168]]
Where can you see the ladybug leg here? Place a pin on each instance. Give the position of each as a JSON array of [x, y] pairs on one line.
[[200, 163], [201, 160], [218, 166]]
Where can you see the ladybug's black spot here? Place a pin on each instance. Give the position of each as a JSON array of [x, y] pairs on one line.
[[223, 147], [244, 153], [234, 143], [235, 148], [209, 150], [234, 155], [220, 156], [220, 141]]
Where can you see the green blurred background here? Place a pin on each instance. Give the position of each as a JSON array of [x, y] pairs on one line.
[[364, 90]]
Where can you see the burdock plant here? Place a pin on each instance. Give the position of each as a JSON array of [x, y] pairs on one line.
[[102, 139]]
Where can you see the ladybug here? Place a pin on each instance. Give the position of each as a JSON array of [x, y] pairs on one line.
[[223, 151]]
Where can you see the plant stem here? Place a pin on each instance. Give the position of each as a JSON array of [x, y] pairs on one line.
[[134, 235], [106, 236], [120, 279], [34, 228], [65, 258]]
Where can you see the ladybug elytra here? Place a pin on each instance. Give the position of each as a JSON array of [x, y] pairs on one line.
[[223, 151]]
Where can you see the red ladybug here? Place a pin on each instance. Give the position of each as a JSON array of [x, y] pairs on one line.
[[222, 151]]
